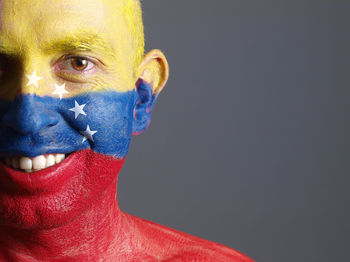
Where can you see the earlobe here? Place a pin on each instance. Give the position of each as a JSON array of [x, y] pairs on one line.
[[153, 75]]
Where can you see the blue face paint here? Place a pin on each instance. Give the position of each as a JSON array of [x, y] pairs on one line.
[[103, 121]]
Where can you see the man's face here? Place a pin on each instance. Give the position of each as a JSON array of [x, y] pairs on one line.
[[67, 90]]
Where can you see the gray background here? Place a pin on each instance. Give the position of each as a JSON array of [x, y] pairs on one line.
[[249, 144]]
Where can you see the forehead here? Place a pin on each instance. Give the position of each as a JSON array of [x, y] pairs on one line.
[[28, 21]]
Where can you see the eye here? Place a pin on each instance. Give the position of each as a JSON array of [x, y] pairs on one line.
[[76, 64], [9, 67], [79, 64]]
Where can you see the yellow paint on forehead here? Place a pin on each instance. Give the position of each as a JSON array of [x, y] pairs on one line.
[[40, 32]]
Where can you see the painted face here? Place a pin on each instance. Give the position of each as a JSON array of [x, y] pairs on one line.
[[68, 106]]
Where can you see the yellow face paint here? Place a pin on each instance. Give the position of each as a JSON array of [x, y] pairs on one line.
[[69, 47]]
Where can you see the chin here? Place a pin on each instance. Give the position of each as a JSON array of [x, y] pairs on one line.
[[45, 196]]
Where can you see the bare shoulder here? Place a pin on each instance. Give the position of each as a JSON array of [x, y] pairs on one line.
[[167, 244]]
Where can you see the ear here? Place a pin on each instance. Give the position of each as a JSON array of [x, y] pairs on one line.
[[153, 74]]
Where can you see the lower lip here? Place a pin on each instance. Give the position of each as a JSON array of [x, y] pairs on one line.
[[44, 179]]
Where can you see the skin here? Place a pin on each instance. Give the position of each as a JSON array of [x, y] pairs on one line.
[[41, 39], [77, 218]]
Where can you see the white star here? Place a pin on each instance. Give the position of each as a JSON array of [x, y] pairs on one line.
[[88, 134], [78, 109], [33, 79], [60, 90]]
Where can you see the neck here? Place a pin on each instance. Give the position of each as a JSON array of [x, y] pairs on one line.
[[97, 233]]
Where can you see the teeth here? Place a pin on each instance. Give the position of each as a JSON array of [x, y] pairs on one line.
[[59, 158], [25, 163], [39, 162], [50, 160], [29, 165]]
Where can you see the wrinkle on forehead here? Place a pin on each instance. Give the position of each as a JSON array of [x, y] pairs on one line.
[[25, 25], [38, 19], [18, 15], [35, 29]]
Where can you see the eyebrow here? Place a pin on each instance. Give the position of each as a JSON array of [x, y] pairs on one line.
[[78, 42], [81, 41]]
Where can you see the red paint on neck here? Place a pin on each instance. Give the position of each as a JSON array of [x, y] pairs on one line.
[[71, 213], [79, 219]]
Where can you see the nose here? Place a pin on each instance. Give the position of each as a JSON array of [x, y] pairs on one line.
[[29, 114]]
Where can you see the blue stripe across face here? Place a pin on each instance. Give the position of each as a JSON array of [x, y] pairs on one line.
[[32, 125]]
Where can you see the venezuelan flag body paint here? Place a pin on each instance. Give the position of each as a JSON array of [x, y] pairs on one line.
[[34, 125], [92, 128]]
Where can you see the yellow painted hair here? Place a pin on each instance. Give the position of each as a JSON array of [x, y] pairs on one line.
[[133, 20]]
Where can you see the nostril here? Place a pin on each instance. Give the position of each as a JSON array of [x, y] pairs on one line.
[[51, 125]]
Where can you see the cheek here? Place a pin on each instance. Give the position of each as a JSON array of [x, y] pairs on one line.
[[108, 115]]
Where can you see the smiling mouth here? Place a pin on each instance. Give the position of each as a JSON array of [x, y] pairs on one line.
[[32, 164]]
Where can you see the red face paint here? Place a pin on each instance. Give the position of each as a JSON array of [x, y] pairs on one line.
[[54, 196], [70, 213]]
